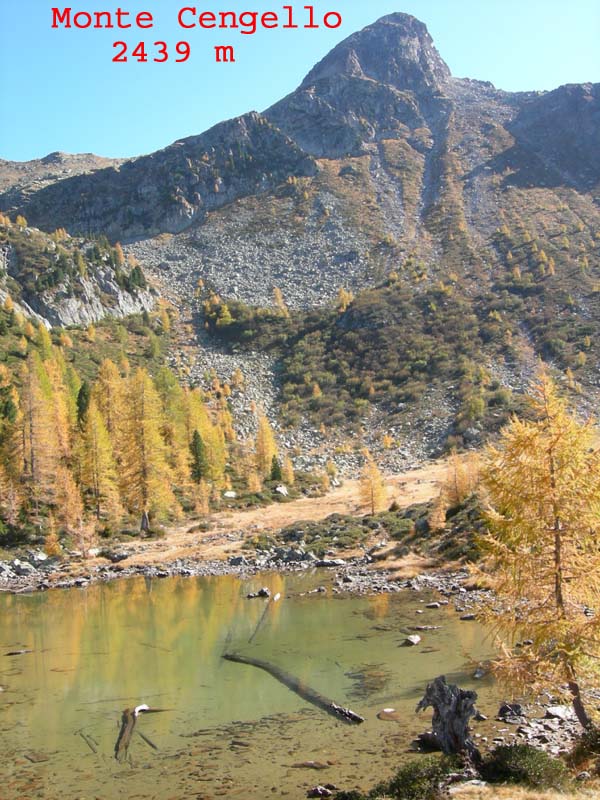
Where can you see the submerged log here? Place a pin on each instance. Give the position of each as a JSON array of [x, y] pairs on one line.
[[128, 721], [263, 615], [452, 710], [300, 688], [89, 741]]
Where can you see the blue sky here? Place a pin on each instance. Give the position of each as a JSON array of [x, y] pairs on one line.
[[60, 91]]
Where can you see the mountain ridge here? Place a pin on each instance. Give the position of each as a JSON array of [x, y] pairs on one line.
[[384, 82], [379, 163]]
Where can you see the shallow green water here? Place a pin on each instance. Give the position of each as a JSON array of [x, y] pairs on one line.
[[229, 730]]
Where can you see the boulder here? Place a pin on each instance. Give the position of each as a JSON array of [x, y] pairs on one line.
[[330, 562], [564, 713], [513, 713], [320, 791], [22, 568], [114, 556]]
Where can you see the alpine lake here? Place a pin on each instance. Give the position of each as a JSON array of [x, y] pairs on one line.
[[218, 729]]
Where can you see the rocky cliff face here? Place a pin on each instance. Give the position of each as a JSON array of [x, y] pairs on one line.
[[65, 281], [562, 129]]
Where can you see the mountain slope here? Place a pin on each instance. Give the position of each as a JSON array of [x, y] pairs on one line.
[[166, 191], [379, 147], [379, 162]]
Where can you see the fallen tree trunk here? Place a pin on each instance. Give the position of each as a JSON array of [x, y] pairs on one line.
[[128, 720], [452, 710], [300, 688]]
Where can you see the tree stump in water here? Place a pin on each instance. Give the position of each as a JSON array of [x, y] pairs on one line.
[[452, 710]]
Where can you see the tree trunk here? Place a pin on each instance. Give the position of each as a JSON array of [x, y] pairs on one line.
[[296, 685], [578, 706], [452, 710]]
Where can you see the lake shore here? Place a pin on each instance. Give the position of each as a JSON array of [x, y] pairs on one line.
[[355, 575], [221, 544]]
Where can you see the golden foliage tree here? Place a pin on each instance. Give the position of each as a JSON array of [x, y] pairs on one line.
[[344, 298], [462, 478], [266, 446], [253, 482], [119, 255], [280, 302], [165, 320], [201, 496], [373, 492], [146, 477], [543, 482], [10, 501], [108, 392], [287, 471], [68, 502], [98, 473], [237, 379], [436, 519], [40, 448], [52, 546], [43, 341]]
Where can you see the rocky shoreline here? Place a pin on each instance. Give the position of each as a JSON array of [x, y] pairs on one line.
[[35, 572]]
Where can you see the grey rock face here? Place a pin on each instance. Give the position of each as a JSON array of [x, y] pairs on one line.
[[77, 300], [376, 84], [396, 50], [168, 190], [562, 130]]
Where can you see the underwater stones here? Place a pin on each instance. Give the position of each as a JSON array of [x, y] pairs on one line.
[[264, 592], [411, 641], [322, 791], [389, 715]]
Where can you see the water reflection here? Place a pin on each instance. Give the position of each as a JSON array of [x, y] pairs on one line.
[[99, 650]]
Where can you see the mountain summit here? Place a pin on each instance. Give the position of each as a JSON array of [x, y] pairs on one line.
[[396, 50], [372, 85]]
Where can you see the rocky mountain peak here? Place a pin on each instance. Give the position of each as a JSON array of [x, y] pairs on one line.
[[396, 50]]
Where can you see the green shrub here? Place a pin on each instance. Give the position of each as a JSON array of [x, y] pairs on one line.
[[587, 746], [353, 795], [417, 780], [523, 764], [401, 528]]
